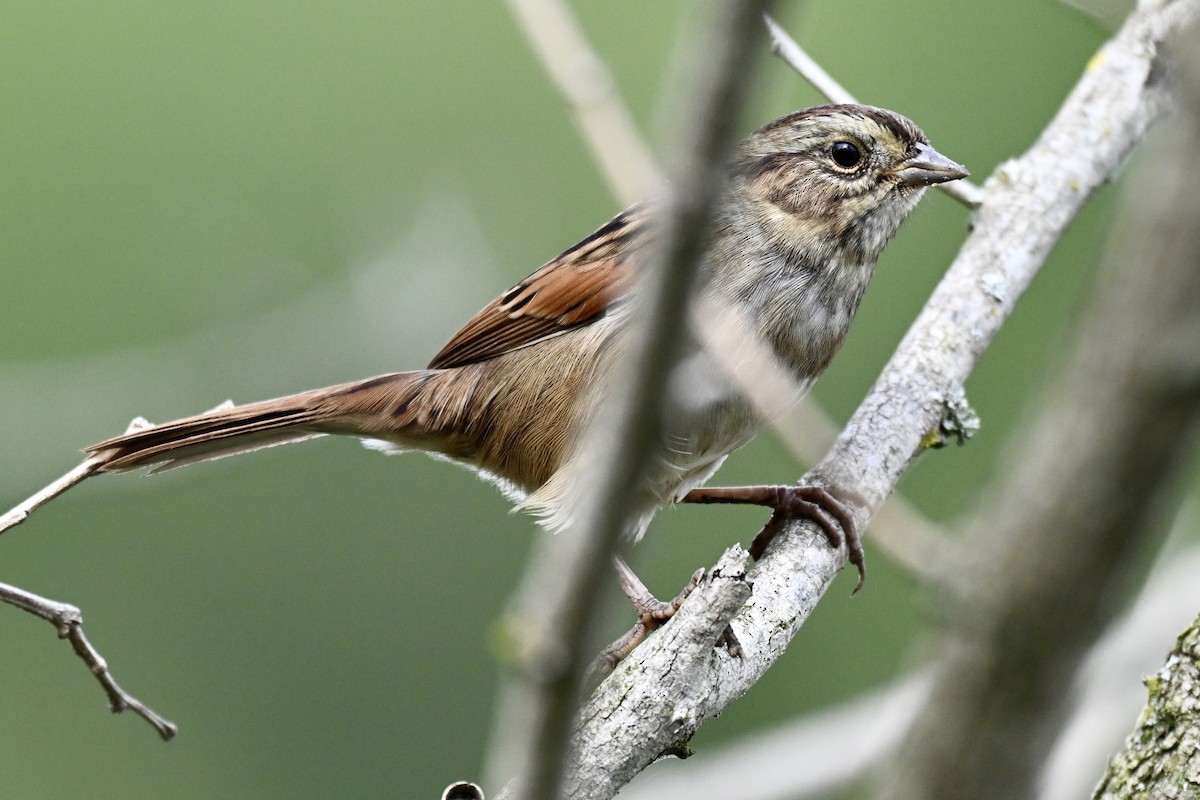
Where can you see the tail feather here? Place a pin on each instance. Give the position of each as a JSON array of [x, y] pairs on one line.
[[238, 429]]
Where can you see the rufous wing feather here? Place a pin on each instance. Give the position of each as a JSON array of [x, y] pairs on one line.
[[574, 289]]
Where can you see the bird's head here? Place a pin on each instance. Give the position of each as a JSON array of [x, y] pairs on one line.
[[838, 176]]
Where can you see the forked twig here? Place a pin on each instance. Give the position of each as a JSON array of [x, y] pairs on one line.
[[66, 618], [68, 621]]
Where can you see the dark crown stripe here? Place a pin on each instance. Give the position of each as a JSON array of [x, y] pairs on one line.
[[901, 127]]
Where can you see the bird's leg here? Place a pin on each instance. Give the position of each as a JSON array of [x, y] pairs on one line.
[[652, 613], [814, 503]]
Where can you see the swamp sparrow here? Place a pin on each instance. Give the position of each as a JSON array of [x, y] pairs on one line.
[[811, 200]]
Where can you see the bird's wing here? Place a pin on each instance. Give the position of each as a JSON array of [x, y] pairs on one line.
[[576, 288]]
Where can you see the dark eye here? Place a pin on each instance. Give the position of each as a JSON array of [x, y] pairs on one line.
[[845, 154]]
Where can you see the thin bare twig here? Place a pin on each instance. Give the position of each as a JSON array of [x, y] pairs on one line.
[[68, 621], [86, 468], [791, 52], [20, 512]]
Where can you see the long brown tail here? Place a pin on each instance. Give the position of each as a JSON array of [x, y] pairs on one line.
[[349, 408]]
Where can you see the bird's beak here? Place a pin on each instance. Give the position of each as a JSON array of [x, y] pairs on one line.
[[928, 167]]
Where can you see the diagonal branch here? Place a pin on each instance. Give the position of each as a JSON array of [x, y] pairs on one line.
[[1027, 205], [1061, 538], [20, 512], [586, 84]]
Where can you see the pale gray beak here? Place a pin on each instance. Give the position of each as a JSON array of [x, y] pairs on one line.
[[928, 167]]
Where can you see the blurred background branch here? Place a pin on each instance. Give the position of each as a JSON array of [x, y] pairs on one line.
[[587, 86]]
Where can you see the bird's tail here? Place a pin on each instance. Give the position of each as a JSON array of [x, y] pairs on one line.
[[361, 407]]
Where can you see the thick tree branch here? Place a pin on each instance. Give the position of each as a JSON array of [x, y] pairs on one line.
[[632, 719], [1161, 758], [1053, 550]]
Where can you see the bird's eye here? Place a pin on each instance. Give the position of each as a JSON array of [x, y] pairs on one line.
[[845, 154]]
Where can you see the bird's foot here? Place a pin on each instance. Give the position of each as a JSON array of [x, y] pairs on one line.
[[825, 507], [652, 614]]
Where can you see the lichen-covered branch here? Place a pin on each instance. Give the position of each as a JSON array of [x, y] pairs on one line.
[[1161, 758]]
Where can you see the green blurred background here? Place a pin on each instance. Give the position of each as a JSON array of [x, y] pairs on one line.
[[212, 200]]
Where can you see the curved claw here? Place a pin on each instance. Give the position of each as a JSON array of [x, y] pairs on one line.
[[819, 505], [651, 611], [827, 508]]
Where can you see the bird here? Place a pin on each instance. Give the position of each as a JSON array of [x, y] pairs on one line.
[[809, 202]]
